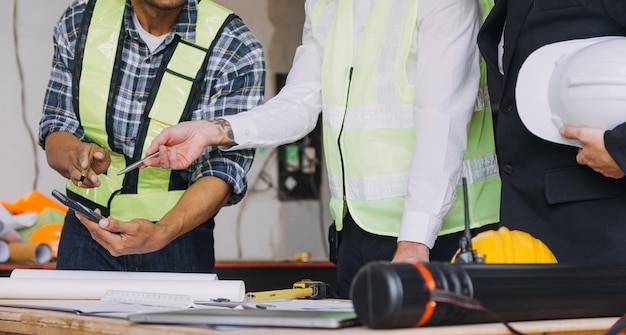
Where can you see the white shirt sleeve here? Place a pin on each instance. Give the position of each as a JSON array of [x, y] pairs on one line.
[[292, 113], [447, 80]]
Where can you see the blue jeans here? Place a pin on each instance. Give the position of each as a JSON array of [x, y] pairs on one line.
[[192, 252]]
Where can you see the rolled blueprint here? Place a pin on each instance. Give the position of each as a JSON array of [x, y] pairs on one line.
[[95, 289], [4, 252], [20, 252], [87, 274]]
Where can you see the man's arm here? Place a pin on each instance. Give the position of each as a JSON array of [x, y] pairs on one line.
[[285, 118], [180, 145], [202, 200], [446, 83]]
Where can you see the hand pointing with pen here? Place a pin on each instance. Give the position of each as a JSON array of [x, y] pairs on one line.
[[93, 160], [181, 144], [76, 160]]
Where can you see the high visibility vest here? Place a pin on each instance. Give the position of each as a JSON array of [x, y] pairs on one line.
[[369, 114], [146, 193]]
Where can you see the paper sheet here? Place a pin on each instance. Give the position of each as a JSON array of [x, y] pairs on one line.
[[87, 307]]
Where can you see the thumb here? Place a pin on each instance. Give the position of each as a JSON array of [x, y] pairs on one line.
[[104, 223]]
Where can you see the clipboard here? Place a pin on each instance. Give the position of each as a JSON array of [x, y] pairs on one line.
[[250, 318]]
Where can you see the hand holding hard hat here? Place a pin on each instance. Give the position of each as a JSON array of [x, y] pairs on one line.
[[578, 83]]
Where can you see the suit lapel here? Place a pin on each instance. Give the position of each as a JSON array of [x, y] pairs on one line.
[[490, 34], [514, 25]]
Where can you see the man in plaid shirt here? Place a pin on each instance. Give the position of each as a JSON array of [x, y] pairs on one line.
[[83, 143]]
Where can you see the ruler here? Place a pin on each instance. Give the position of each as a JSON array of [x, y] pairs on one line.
[[149, 298]]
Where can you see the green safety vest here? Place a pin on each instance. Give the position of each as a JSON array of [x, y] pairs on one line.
[[370, 113], [146, 193]]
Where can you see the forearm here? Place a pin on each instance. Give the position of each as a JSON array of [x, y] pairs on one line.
[[201, 201], [220, 132], [289, 115]]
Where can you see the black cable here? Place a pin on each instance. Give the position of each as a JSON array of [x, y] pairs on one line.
[[467, 302], [617, 327], [316, 194], [20, 74]]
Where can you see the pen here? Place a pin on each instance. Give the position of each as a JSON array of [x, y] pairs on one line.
[[85, 171], [137, 164]]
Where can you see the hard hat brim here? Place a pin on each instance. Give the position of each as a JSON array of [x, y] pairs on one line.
[[532, 87]]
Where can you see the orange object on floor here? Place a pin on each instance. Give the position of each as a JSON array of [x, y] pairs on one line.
[[49, 234], [33, 202]]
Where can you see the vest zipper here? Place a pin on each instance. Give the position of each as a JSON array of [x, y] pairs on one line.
[[343, 121]]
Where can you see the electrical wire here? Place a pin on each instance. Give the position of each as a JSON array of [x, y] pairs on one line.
[[316, 194], [466, 302], [262, 176], [315, 188], [617, 327], [20, 74]]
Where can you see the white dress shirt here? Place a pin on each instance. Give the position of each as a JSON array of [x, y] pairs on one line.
[[446, 77]]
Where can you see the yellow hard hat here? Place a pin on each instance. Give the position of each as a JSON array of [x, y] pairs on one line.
[[505, 246]]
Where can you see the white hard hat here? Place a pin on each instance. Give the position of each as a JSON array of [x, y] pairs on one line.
[[577, 83]]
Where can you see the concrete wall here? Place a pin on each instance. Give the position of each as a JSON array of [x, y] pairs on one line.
[[261, 227]]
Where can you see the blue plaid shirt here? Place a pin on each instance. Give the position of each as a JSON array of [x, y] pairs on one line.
[[234, 82]]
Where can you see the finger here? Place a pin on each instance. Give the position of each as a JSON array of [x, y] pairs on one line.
[[570, 132], [113, 226], [153, 160], [99, 154], [93, 179], [86, 179], [580, 157], [158, 141], [165, 157], [86, 155], [81, 180]]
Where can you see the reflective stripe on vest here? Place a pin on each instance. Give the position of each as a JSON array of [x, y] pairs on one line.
[[373, 101], [375, 106], [144, 193]]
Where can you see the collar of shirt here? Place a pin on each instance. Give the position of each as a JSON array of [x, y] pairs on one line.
[[152, 41], [184, 27]]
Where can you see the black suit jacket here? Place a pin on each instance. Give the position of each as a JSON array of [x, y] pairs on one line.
[[577, 212]]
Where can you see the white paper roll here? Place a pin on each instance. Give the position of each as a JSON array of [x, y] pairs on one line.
[[37, 253], [95, 289], [4, 252], [86, 274]]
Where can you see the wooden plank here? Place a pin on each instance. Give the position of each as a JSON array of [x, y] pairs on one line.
[[32, 321]]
